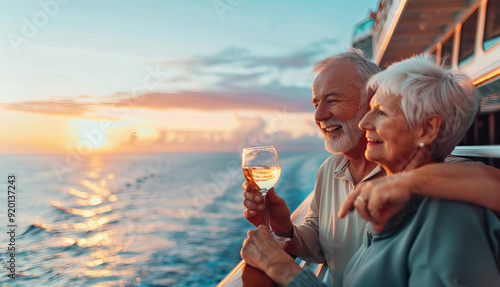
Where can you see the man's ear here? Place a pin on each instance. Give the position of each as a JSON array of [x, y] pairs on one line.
[[430, 129]]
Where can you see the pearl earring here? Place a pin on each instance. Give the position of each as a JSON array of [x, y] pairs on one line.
[[421, 144]]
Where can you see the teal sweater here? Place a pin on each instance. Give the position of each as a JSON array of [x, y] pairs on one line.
[[430, 242]]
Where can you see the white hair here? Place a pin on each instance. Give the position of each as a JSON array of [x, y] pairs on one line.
[[364, 67], [426, 89]]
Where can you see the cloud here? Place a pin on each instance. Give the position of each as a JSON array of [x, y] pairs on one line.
[[249, 131], [53, 107], [238, 67], [231, 79], [244, 58], [215, 100], [303, 57], [286, 77], [256, 100]]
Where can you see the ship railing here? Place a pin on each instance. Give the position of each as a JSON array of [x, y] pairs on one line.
[[484, 151]]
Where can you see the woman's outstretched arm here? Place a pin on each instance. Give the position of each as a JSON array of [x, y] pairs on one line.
[[467, 181]]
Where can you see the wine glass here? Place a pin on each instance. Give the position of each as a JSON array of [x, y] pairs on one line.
[[261, 167]]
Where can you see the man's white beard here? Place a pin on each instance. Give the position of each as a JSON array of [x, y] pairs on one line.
[[349, 137]]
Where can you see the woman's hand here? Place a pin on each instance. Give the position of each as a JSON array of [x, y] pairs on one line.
[[262, 251], [379, 199]]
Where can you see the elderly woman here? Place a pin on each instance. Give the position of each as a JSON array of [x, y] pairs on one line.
[[418, 114]]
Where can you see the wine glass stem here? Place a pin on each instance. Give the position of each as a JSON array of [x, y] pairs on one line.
[[266, 210]]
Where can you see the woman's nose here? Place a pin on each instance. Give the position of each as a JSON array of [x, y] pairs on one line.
[[366, 122]]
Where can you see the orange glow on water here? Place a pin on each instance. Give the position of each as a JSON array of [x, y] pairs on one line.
[[102, 191], [78, 193], [42, 225], [68, 241], [99, 273], [100, 261], [93, 230], [100, 239], [107, 272], [93, 200], [83, 212], [91, 224]]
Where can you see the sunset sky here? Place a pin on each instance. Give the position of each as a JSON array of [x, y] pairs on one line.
[[165, 75]]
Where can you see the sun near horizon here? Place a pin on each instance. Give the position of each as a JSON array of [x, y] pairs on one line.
[[152, 132]]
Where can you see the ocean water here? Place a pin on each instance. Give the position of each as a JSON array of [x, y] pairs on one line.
[[131, 220]]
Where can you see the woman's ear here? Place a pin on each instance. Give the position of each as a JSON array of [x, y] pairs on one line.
[[430, 129]]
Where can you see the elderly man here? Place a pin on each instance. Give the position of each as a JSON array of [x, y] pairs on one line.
[[341, 101]]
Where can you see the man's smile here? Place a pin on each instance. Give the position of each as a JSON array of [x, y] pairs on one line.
[[330, 128]]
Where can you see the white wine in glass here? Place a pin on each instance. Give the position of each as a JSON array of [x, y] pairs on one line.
[[263, 176], [261, 167]]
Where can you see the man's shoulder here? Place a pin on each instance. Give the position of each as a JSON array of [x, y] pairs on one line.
[[332, 162], [327, 170]]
